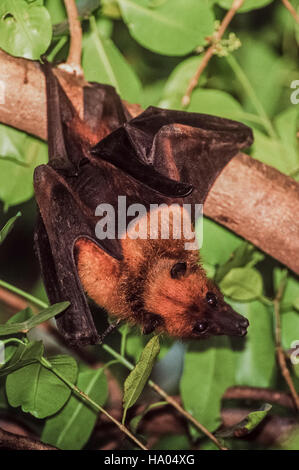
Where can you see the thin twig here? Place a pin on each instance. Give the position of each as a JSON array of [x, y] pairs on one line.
[[167, 398], [11, 441], [73, 62], [291, 9], [79, 393], [279, 351], [210, 51]]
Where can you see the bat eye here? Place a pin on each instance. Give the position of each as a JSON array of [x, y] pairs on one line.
[[211, 299], [178, 270], [200, 327]]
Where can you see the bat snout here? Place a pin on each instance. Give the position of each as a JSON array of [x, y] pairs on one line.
[[228, 322]]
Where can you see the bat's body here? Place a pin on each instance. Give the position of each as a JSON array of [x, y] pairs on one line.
[[160, 157]]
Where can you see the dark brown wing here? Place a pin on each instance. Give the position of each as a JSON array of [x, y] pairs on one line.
[[189, 147]]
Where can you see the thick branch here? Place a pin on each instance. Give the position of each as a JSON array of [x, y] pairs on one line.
[[250, 198]]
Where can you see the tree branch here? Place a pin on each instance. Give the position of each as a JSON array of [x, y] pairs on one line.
[[259, 394], [236, 5], [73, 63], [250, 198], [12, 441]]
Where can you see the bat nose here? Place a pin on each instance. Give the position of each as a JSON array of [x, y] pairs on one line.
[[243, 325], [228, 322]]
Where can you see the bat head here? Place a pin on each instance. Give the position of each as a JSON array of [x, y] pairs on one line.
[[188, 303], [158, 284]]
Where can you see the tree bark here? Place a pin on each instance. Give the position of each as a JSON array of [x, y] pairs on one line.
[[250, 198]]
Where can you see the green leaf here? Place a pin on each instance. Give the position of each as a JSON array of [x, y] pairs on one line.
[[102, 62], [208, 371], [274, 153], [248, 424], [25, 354], [178, 81], [71, 428], [248, 4], [255, 355], [242, 284], [38, 390], [25, 28], [244, 255], [16, 181], [171, 27], [177, 442], [289, 315], [56, 10], [25, 326], [19, 317], [152, 93], [256, 417], [267, 72], [286, 125], [296, 303], [216, 102], [8, 227], [218, 243], [136, 380], [111, 9]]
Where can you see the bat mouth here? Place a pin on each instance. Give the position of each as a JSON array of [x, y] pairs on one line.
[[230, 323]]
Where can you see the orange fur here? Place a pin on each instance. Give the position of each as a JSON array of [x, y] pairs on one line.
[[145, 269]]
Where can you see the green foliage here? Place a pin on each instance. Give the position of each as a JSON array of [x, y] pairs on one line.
[[248, 4], [20, 154], [255, 361], [25, 28], [149, 50], [242, 284], [137, 379], [208, 372], [177, 83], [70, 429], [38, 390], [169, 27], [22, 327], [102, 62], [25, 354], [8, 227], [247, 424]]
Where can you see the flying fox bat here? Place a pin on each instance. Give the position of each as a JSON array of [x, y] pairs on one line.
[[161, 157]]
